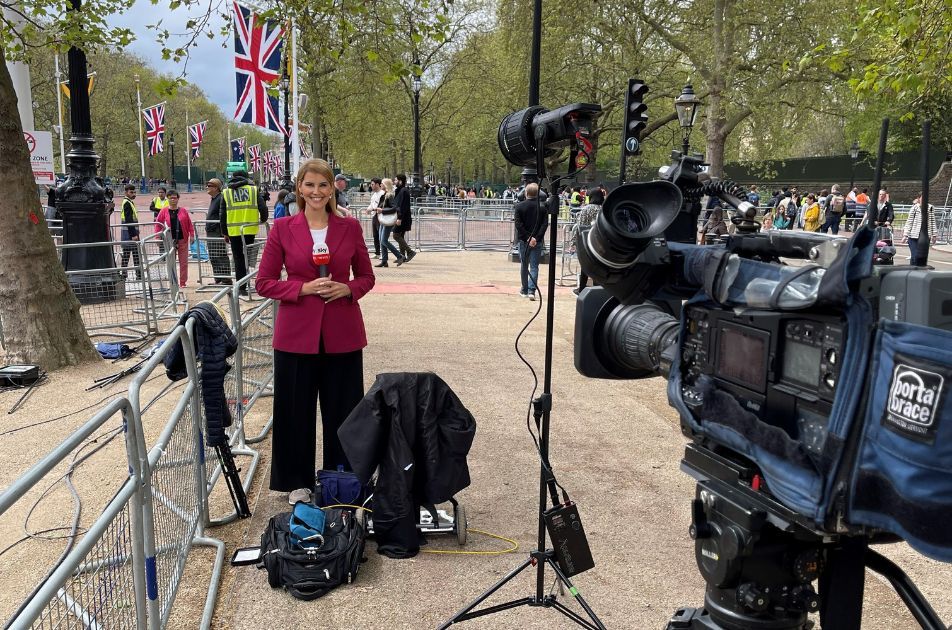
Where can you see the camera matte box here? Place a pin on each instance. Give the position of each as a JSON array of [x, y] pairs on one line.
[[568, 539]]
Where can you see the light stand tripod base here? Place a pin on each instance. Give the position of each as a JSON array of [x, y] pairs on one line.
[[535, 558]]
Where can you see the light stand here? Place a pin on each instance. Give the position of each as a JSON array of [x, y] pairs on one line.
[[541, 556]]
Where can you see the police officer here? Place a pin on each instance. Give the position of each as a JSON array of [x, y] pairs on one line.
[[242, 209]]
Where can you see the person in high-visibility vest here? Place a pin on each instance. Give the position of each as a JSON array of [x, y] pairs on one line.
[[242, 209], [159, 203], [130, 231]]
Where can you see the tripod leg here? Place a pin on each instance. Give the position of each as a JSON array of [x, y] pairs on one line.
[[464, 614], [578, 596], [910, 595]]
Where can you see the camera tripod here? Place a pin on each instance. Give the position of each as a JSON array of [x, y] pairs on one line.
[[542, 407], [759, 560]]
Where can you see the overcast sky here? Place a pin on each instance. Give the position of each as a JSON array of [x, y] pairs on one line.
[[210, 66]]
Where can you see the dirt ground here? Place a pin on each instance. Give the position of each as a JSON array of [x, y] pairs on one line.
[[616, 448]]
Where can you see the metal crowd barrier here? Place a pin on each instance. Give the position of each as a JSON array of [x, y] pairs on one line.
[[174, 500], [126, 569], [101, 582], [214, 255]]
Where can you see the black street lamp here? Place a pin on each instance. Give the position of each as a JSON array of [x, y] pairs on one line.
[[81, 199], [417, 157], [854, 153], [172, 155], [449, 171], [285, 87], [687, 105]]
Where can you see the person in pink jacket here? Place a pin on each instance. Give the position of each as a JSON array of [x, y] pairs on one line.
[[179, 223], [319, 332]]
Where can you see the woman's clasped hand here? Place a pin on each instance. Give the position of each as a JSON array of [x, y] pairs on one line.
[[326, 288]]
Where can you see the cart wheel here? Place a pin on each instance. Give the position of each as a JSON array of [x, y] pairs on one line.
[[459, 522]]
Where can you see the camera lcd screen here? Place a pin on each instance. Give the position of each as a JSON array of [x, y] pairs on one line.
[[742, 356], [801, 363]]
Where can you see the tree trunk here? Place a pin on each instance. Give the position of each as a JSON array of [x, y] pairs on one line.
[[39, 314], [716, 116]]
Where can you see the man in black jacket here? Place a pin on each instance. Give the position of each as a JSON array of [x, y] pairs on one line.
[[217, 248], [530, 235], [130, 231], [401, 201]]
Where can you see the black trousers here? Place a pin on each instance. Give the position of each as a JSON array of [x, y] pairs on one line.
[[299, 381], [401, 239], [131, 250], [375, 228], [238, 253]]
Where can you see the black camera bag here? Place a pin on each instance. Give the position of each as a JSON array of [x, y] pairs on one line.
[[310, 573]]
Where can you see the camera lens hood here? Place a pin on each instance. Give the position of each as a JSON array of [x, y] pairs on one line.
[[631, 217]]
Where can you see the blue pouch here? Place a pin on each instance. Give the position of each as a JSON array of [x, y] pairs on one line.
[[307, 526], [902, 476], [338, 487], [113, 350]]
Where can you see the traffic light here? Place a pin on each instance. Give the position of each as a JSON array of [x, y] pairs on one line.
[[636, 116]]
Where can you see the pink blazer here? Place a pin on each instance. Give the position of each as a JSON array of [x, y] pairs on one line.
[[185, 220], [304, 320]]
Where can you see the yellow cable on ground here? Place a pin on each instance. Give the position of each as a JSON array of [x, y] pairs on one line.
[[515, 545]]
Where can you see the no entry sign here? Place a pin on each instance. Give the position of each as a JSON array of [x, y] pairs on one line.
[[40, 144]]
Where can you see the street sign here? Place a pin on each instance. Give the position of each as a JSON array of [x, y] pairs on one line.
[[631, 145], [40, 144]]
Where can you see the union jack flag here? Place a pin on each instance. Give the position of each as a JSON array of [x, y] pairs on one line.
[[277, 164], [155, 127], [258, 45], [197, 132], [254, 157]]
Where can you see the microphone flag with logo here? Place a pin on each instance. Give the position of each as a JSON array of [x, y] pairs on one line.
[[322, 257]]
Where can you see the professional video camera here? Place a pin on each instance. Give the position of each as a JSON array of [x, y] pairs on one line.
[[813, 387]]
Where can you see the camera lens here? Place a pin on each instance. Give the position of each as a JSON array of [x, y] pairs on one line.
[[635, 336]]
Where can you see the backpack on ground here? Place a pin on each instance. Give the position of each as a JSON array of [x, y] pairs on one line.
[[311, 566], [837, 204]]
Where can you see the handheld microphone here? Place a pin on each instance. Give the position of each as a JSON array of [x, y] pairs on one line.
[[321, 257]]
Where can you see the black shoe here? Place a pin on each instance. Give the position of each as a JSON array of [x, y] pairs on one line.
[[383, 264], [243, 292], [401, 261], [410, 256]]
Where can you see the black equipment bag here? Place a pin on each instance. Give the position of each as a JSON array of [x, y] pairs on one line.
[[310, 573]]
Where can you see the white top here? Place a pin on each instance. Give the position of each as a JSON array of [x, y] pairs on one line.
[[375, 199], [319, 237]]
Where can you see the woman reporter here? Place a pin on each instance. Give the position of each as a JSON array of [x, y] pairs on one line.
[[319, 330]]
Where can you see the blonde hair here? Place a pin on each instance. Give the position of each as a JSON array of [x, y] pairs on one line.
[[387, 184], [319, 167]]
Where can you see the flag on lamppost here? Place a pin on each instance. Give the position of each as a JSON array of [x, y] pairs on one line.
[[196, 133], [254, 157], [258, 45], [155, 127]]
